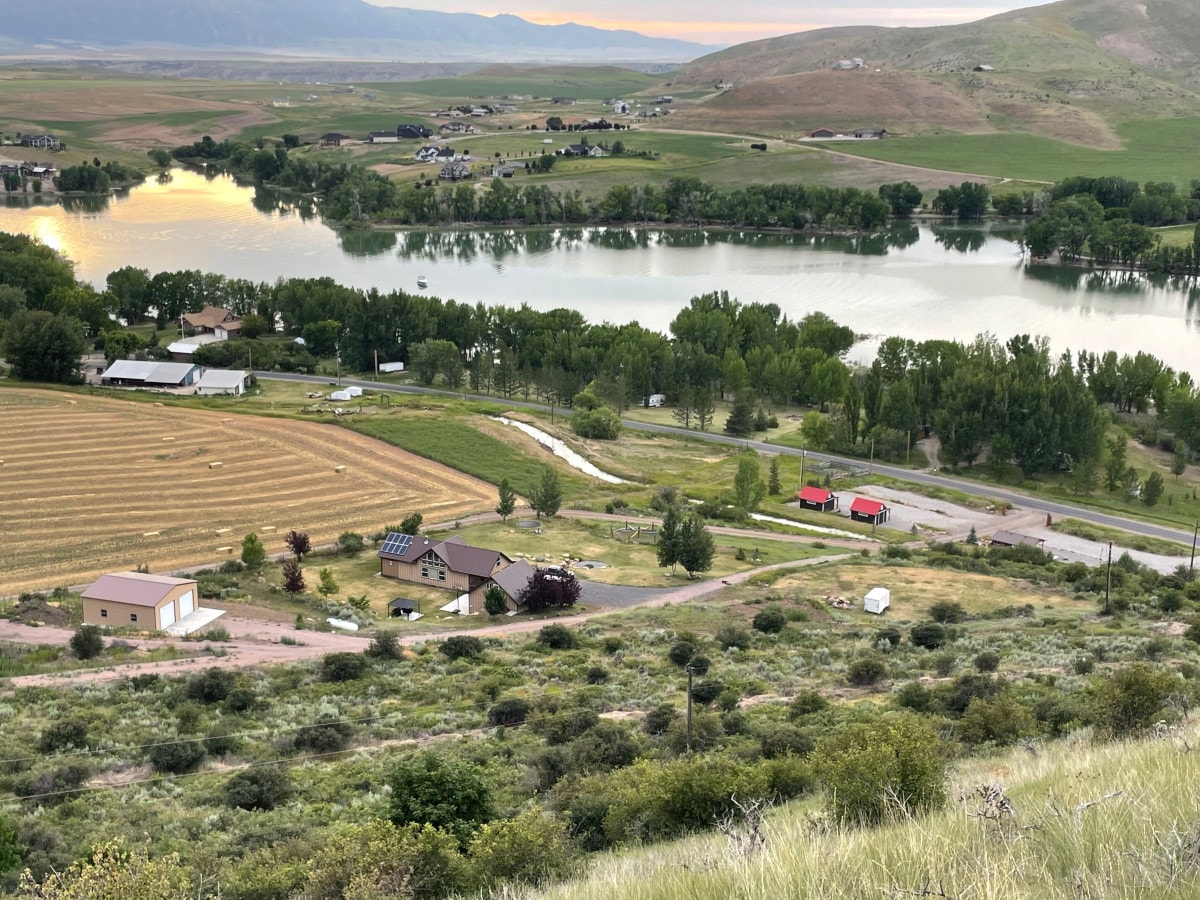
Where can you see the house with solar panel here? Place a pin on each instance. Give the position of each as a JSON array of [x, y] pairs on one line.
[[453, 566]]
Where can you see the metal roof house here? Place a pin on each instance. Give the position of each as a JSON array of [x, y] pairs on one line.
[[1014, 539], [222, 381], [145, 602], [817, 498], [150, 374]]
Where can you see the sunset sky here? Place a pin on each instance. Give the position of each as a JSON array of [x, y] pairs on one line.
[[725, 22]]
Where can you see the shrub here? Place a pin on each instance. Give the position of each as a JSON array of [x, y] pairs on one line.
[[559, 726], [210, 686], [221, 741], [893, 766], [65, 734], [731, 636], [601, 424], [87, 642], [770, 621], [177, 756], [987, 661], [681, 652], [707, 691], [462, 647], [943, 664], [241, 699], [326, 735], [865, 670], [947, 612], [261, 788], [700, 665], [891, 635], [1001, 720], [339, 667], [786, 740], [659, 719], [1084, 665], [929, 635], [1134, 698], [510, 711], [446, 793], [612, 644], [558, 637], [805, 703], [350, 542], [384, 645], [597, 675], [532, 848]]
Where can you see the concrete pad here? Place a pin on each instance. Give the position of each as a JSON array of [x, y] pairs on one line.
[[194, 621]]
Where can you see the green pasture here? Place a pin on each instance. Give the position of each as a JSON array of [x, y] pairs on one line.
[[1154, 150], [580, 82]]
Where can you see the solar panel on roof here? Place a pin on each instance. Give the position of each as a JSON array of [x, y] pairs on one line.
[[396, 543]]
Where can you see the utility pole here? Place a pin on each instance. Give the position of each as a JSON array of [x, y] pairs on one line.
[[376, 365], [1108, 584], [1192, 564], [803, 454], [871, 471], [689, 711]]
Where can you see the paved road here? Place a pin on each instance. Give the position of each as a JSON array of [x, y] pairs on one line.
[[1028, 501]]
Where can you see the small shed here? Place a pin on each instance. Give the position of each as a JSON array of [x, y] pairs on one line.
[[342, 396], [874, 512], [222, 381], [820, 499], [404, 608], [1013, 539], [877, 600], [148, 602]]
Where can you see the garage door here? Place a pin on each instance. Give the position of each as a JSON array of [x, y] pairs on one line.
[[166, 615], [187, 604]]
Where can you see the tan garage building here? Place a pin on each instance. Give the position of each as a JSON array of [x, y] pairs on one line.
[[138, 600]]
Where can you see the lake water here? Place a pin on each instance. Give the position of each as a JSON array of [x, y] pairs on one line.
[[918, 282]]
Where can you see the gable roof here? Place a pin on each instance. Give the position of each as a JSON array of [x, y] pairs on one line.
[[513, 579], [867, 507], [209, 316], [148, 371], [1013, 539], [134, 588], [455, 553], [222, 379], [812, 494]]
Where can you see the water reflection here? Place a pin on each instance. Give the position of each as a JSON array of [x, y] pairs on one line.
[[361, 242], [959, 240]]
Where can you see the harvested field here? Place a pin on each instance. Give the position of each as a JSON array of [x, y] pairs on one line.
[[91, 486]]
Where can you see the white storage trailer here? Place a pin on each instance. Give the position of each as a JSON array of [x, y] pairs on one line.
[[877, 600]]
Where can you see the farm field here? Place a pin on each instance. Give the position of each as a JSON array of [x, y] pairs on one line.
[[101, 490]]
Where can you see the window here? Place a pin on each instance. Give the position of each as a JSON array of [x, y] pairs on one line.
[[133, 617], [433, 571], [104, 613]]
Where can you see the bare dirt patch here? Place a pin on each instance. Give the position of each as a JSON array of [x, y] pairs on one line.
[[108, 484], [88, 105]]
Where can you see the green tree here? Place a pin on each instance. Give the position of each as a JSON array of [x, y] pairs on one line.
[[748, 487], [668, 539], [328, 584], [816, 430], [87, 642], [42, 346], [704, 407], [412, 524], [1114, 466], [260, 788], [508, 500], [495, 601], [1132, 699], [741, 418], [546, 497], [111, 871], [696, 545], [159, 157], [1179, 462], [1152, 489], [774, 488], [254, 554], [432, 789], [894, 766], [10, 845], [902, 197]]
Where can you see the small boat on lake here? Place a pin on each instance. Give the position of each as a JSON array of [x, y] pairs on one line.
[[422, 281]]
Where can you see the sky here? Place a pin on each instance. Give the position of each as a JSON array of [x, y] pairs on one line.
[[727, 21]]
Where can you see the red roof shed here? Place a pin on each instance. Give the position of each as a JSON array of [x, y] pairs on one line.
[[866, 510]]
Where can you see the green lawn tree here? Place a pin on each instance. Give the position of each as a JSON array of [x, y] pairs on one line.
[[1152, 489], [546, 496], [696, 546], [328, 584], [668, 539], [495, 601], [741, 418], [254, 554], [508, 500], [42, 346], [748, 487], [774, 487], [87, 642]]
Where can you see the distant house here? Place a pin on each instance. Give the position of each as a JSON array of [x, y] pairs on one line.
[[502, 171], [347, 89], [871, 134], [665, 98], [445, 154], [138, 600], [41, 141], [725, 86], [563, 101], [817, 498], [456, 128], [480, 111], [620, 108], [209, 319], [150, 374], [222, 381], [382, 137], [183, 349], [426, 154], [581, 150], [281, 102], [455, 171], [822, 133], [1013, 539], [843, 65], [984, 68], [871, 511], [333, 139], [451, 565], [412, 132]]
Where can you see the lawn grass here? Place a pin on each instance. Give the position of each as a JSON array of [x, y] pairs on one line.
[[1155, 149]]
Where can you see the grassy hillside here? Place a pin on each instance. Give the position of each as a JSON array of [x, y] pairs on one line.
[[1086, 819]]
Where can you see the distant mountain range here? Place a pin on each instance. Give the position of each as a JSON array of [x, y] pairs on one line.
[[329, 28]]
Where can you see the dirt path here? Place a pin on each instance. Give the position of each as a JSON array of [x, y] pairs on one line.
[[256, 643]]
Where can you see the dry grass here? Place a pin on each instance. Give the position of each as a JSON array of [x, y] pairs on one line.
[[92, 486]]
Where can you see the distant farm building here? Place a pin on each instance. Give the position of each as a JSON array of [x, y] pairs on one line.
[[41, 141], [1013, 539], [874, 512], [412, 132], [183, 349], [382, 137], [871, 133], [138, 600], [455, 171], [820, 499], [983, 67], [822, 133], [333, 139], [150, 374], [215, 382], [843, 65]]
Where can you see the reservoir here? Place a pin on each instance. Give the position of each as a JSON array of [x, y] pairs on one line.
[[920, 282]]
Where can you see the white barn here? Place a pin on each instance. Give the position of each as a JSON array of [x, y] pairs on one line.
[[222, 381]]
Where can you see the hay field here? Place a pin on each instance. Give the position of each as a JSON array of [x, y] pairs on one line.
[[89, 485]]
